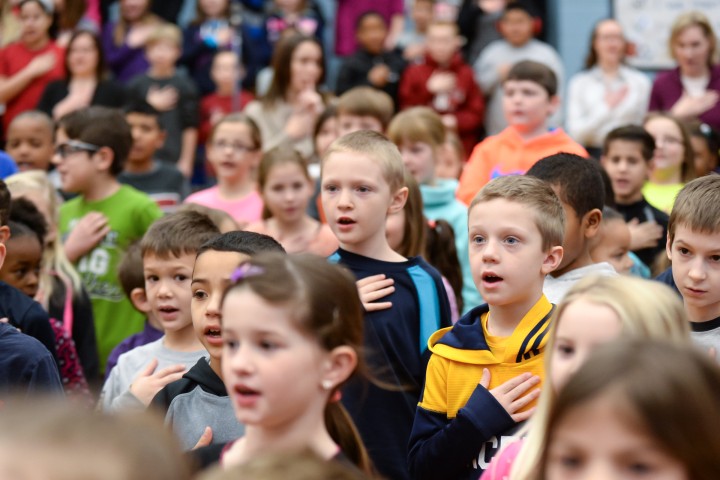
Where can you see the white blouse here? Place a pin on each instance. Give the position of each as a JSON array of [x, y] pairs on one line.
[[589, 118]]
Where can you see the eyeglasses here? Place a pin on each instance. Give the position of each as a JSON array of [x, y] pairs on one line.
[[235, 147], [74, 146]]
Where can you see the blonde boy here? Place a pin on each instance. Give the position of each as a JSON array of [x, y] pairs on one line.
[[362, 183], [168, 249], [364, 108], [693, 247], [484, 372]]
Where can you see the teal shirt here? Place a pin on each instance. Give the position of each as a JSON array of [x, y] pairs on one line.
[[129, 214]]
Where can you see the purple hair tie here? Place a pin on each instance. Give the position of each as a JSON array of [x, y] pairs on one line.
[[244, 271]]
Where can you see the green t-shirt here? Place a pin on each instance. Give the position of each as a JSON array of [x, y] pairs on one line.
[[129, 214]]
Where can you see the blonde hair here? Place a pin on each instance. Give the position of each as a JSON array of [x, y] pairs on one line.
[[54, 258], [165, 32], [646, 309], [283, 154], [417, 124], [697, 206], [378, 148], [694, 19], [367, 101], [534, 193]]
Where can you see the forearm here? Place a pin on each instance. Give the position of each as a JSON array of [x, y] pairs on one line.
[[187, 150], [11, 87]]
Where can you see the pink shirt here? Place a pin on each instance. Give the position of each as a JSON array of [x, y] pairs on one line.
[[245, 210]]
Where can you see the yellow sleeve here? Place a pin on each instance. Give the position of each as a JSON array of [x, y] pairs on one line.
[[434, 396]]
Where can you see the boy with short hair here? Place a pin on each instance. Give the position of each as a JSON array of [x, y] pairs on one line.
[[168, 252], [198, 405], [693, 247], [98, 225], [579, 185], [30, 140], [484, 371], [518, 26], [132, 281], [171, 93], [162, 181], [364, 108], [362, 183], [529, 98], [627, 156], [445, 83], [371, 64]]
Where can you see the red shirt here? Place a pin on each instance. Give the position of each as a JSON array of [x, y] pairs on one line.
[[213, 104], [17, 56]]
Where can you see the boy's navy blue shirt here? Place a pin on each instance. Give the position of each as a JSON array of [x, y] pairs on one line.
[[26, 366], [26, 314], [644, 212], [396, 353]]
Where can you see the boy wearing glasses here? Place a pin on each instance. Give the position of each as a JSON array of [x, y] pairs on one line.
[[98, 225], [162, 181]]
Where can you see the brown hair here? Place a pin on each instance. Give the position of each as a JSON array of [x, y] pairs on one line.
[[243, 119], [220, 218], [667, 390], [71, 14], [280, 155], [417, 124], [367, 101], [380, 150], [687, 169], [177, 234], [282, 63], [534, 193], [631, 133], [694, 19], [414, 231], [102, 127], [4, 204], [201, 16], [534, 72], [697, 206], [325, 303], [130, 269]]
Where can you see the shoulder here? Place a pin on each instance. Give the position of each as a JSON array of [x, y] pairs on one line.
[[668, 76], [138, 356], [202, 196]]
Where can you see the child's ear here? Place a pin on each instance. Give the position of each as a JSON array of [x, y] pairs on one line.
[[398, 200], [552, 260], [4, 236], [105, 158], [139, 300], [161, 138], [554, 105], [340, 364], [668, 247], [591, 222]]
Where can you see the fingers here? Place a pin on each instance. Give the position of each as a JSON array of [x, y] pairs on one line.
[[513, 383], [523, 387], [522, 416], [374, 307], [150, 368], [485, 379], [372, 295], [170, 371], [368, 280], [205, 439]]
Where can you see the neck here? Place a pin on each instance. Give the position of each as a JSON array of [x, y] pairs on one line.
[[583, 260], [38, 44], [629, 199], [306, 431], [225, 90], [376, 248], [182, 340], [216, 366], [699, 71], [234, 189], [83, 78], [531, 134], [141, 166], [609, 67], [161, 71], [702, 314], [666, 176], [505, 318], [103, 188]]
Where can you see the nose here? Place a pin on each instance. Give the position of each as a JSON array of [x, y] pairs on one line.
[[163, 290], [344, 199], [56, 158], [241, 361], [697, 271], [490, 251], [213, 306]]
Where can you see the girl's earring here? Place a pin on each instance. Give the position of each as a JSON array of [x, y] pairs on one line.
[[327, 384]]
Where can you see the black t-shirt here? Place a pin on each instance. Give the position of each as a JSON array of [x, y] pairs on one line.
[[644, 212]]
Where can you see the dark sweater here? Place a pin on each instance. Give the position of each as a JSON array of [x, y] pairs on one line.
[[644, 212], [107, 94]]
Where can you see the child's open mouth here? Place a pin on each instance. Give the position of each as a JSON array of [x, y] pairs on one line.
[[245, 396], [345, 221], [168, 313], [491, 278], [213, 335]]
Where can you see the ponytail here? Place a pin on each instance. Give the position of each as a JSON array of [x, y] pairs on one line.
[[343, 431], [441, 253]]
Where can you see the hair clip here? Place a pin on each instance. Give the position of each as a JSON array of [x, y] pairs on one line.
[[244, 271]]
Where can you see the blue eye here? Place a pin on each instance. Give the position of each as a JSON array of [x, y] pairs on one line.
[[478, 239]]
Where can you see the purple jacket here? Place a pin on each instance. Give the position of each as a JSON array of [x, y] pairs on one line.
[[668, 88], [124, 62]]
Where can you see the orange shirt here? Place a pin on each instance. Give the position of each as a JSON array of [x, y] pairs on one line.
[[506, 154]]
